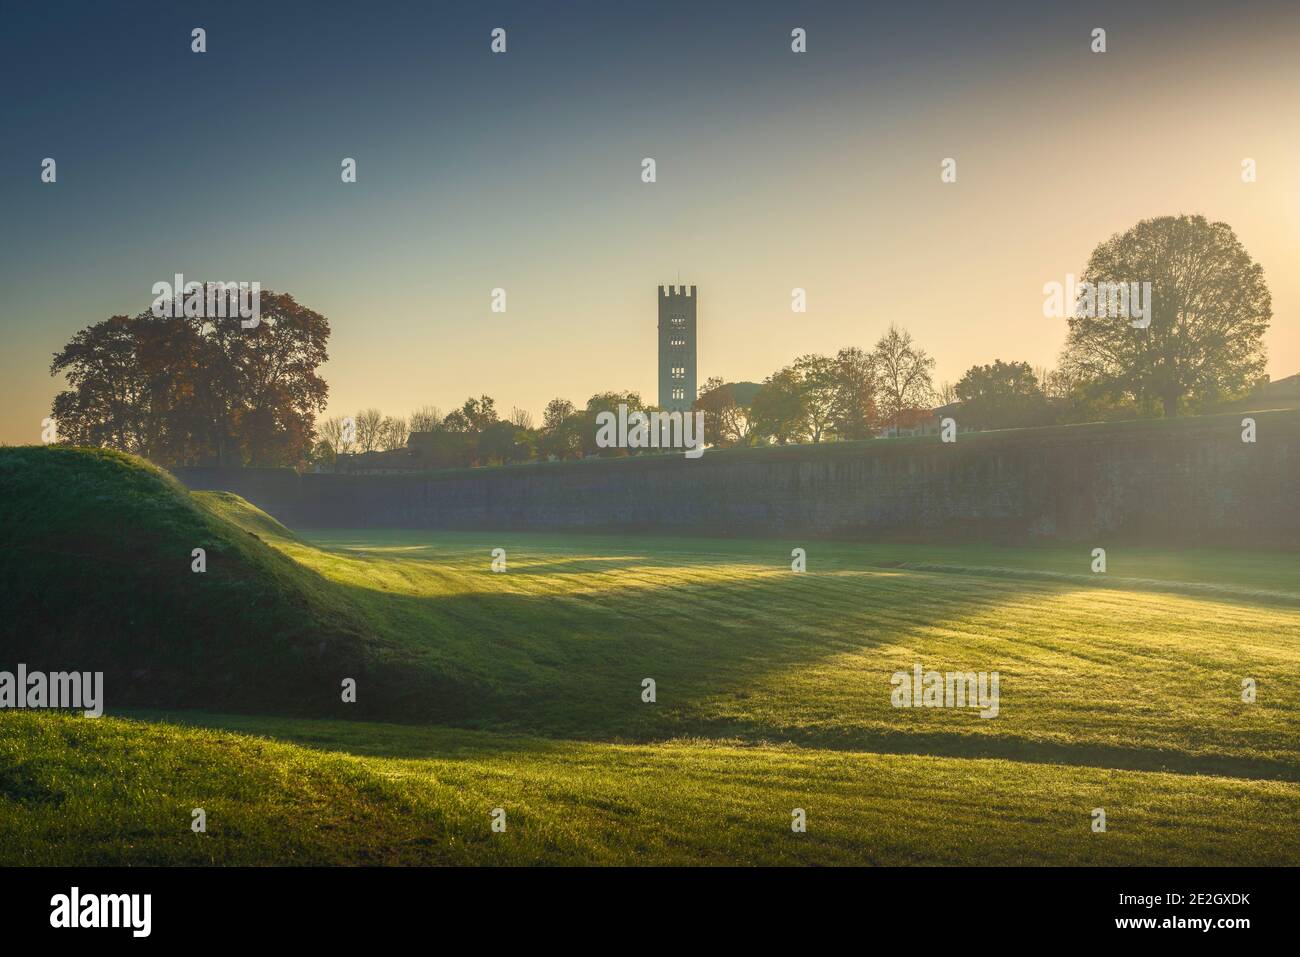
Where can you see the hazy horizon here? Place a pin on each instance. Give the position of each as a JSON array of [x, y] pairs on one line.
[[522, 171]]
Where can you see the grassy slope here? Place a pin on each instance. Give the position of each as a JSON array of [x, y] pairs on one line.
[[95, 553], [122, 791], [1097, 675]]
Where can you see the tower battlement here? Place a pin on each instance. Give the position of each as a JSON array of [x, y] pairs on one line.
[[676, 292]]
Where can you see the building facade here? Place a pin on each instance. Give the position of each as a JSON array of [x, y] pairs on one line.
[[677, 355]]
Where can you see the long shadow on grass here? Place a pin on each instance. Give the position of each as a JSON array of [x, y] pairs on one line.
[[371, 739], [1236, 576], [572, 665]]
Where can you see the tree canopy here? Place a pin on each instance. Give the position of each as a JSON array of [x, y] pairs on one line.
[[189, 390], [1209, 305], [1003, 395]]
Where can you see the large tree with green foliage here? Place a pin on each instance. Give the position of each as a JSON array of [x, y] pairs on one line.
[[1210, 308]]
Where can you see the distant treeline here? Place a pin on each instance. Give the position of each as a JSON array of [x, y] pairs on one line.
[[194, 390], [1198, 342]]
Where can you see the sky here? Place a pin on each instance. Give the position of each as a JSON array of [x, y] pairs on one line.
[[522, 171]]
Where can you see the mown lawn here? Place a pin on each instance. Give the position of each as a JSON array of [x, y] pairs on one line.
[[1142, 667], [1120, 691], [80, 791]]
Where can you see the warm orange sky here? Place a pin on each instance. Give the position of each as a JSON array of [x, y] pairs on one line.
[[773, 172]]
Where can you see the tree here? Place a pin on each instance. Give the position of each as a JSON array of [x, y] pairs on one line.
[[903, 371], [1004, 395], [323, 453], [817, 388], [119, 394], [1055, 383], [503, 442], [198, 389], [479, 413], [462, 428], [272, 382], [556, 413], [457, 422], [521, 419], [778, 410], [1092, 402], [370, 423], [605, 402], [726, 420], [853, 408], [336, 436], [392, 434], [560, 430], [1209, 309], [426, 418]]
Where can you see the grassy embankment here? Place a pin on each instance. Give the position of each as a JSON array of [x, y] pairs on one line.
[[1122, 691]]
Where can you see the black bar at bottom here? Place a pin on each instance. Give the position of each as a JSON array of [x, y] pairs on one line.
[[334, 906]]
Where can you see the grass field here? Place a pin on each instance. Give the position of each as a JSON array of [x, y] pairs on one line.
[[330, 792], [1120, 691]]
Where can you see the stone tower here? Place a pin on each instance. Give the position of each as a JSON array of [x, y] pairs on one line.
[[677, 313]]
